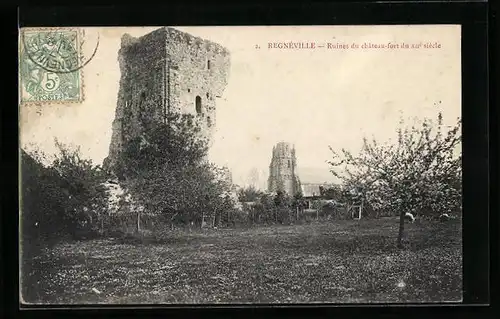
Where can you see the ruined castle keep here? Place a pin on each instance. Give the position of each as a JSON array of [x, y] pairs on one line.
[[282, 170], [162, 72]]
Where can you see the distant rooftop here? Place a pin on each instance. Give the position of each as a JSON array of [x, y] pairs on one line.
[[313, 189]]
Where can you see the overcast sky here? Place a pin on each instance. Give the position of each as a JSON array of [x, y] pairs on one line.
[[310, 98]]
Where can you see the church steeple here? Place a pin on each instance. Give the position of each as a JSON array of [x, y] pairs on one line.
[[282, 169]]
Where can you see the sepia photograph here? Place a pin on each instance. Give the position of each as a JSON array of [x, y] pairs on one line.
[[240, 165]]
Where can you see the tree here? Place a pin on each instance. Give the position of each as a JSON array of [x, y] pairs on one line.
[[297, 198], [166, 172], [69, 187], [265, 209], [42, 207], [249, 194], [331, 192], [43, 220], [83, 182], [420, 173], [282, 204], [298, 203], [176, 143]]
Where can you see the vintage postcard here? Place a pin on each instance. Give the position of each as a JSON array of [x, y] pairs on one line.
[[240, 165]]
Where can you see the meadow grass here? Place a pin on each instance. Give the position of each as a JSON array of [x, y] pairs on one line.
[[330, 261]]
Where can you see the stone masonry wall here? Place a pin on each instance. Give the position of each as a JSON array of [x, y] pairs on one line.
[[282, 170], [166, 71]]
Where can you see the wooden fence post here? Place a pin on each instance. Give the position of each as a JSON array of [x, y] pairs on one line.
[[138, 222]]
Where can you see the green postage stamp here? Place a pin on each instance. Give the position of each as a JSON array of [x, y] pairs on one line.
[[49, 66]]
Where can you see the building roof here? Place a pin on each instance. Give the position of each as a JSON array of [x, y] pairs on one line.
[[310, 190], [313, 189]]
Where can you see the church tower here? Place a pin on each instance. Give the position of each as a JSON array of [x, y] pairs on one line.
[[282, 170]]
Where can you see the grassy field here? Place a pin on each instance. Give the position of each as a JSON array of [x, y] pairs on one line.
[[335, 261]]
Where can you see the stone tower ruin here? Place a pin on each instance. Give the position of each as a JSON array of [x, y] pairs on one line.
[[162, 72], [282, 171]]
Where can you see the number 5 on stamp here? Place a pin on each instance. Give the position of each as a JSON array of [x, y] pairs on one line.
[[49, 66]]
